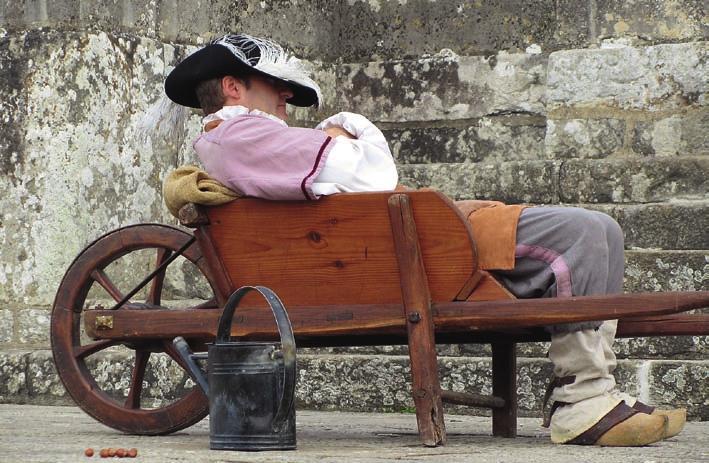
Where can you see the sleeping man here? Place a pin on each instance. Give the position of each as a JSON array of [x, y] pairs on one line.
[[243, 84]]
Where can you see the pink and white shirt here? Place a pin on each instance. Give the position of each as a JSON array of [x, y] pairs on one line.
[[258, 154]]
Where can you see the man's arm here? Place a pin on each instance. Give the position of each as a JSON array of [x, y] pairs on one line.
[[360, 159]]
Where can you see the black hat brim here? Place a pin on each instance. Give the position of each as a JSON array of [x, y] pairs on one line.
[[215, 61]]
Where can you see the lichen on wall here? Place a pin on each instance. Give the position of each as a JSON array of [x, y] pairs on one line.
[[79, 169]]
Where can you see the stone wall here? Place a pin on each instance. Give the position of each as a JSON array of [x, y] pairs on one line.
[[597, 103]]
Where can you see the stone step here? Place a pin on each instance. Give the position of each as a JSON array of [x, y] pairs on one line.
[[331, 30], [674, 225], [571, 181], [654, 82], [365, 382], [518, 137]]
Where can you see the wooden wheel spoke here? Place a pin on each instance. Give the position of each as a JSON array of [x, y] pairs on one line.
[[156, 285], [90, 349], [136, 380], [101, 278]]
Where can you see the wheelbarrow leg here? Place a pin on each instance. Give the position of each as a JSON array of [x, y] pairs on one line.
[[419, 323], [504, 385]]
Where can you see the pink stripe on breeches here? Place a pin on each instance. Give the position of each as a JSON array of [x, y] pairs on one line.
[[556, 262]]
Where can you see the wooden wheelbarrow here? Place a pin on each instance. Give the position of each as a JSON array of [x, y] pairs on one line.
[[352, 269]]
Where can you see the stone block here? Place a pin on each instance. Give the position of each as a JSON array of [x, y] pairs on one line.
[[671, 226], [13, 371], [129, 16], [349, 382], [43, 381], [666, 271], [79, 152], [7, 326], [675, 347], [583, 138], [620, 180], [681, 384], [490, 139], [674, 225], [575, 23], [185, 22], [33, 326], [628, 376], [13, 105], [652, 20], [677, 135], [308, 28], [647, 78], [442, 350], [383, 383], [665, 347], [392, 28], [512, 182], [444, 86], [164, 379]]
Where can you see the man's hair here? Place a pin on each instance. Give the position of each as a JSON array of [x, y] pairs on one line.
[[210, 96]]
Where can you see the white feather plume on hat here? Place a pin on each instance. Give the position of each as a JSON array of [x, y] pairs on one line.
[[272, 59]]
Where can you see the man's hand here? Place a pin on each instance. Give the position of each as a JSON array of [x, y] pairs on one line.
[[337, 131]]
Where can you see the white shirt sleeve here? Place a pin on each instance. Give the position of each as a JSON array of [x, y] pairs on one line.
[[363, 164]]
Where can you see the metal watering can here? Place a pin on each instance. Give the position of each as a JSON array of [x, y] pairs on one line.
[[250, 385]]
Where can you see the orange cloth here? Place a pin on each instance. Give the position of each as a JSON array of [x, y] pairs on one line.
[[494, 230]]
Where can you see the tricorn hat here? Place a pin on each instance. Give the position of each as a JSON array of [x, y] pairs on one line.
[[240, 55]]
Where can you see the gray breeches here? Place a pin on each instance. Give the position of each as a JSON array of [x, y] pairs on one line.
[[566, 251]]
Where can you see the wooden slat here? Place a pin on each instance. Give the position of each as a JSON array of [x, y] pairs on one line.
[[664, 325], [472, 400], [388, 319], [416, 299], [489, 289], [338, 248]]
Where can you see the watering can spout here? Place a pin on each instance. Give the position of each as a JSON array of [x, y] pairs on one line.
[[190, 360]]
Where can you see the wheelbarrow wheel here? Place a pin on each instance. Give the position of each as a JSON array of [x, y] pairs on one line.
[[124, 401]]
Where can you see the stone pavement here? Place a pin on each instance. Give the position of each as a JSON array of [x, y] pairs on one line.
[[60, 434]]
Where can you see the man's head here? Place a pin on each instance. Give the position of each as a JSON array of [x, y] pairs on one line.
[[252, 91], [240, 69]]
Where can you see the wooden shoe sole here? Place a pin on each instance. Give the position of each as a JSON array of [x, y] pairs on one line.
[[676, 417], [624, 426]]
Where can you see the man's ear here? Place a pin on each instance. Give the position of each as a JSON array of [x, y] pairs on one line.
[[232, 88]]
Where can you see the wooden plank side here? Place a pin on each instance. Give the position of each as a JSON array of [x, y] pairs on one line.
[[338, 249], [446, 241]]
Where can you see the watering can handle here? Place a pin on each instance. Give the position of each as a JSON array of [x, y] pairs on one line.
[[287, 342]]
